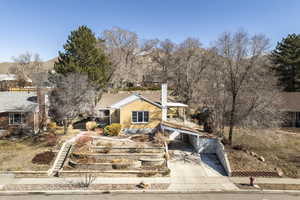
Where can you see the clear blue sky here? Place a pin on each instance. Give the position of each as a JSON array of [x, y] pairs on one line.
[[41, 26]]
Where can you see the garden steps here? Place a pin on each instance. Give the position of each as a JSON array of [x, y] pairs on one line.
[[60, 158]]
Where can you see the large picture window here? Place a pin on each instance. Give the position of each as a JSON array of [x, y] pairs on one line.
[[16, 118], [140, 116]]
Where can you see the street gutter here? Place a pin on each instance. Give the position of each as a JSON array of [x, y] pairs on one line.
[[97, 192]]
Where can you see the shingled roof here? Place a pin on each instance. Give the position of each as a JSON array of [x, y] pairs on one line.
[[109, 99], [18, 101]]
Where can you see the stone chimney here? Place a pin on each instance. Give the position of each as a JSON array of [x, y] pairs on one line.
[[164, 97]]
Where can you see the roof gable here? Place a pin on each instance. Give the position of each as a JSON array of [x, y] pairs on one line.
[[130, 99]]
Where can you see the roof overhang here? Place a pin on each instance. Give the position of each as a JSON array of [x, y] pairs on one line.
[[130, 99], [176, 104]]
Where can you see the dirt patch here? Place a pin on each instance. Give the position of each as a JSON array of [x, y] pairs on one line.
[[43, 158]]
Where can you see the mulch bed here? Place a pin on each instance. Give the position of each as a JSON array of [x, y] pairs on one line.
[[279, 186], [244, 186], [43, 158], [254, 173], [28, 187], [267, 186]]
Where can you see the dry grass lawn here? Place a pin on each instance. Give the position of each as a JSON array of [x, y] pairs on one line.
[[17, 156], [279, 147]]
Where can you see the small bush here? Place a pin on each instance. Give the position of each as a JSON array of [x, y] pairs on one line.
[[160, 138], [107, 148], [121, 163], [147, 174], [51, 140], [83, 140], [238, 147], [137, 149], [166, 173], [52, 125], [91, 125], [112, 130], [44, 158], [225, 141]]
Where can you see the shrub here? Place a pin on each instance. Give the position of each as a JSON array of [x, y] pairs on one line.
[[91, 125], [147, 174], [83, 140], [52, 125], [238, 147], [137, 149], [113, 129], [107, 148], [166, 172], [160, 138], [43, 158], [121, 163], [51, 140]]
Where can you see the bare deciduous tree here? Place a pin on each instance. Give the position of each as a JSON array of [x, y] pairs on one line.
[[123, 48], [72, 95], [24, 66], [241, 89]]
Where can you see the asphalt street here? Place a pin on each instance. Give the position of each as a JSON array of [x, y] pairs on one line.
[[147, 196]]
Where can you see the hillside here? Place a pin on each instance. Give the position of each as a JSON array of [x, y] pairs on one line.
[[4, 66]]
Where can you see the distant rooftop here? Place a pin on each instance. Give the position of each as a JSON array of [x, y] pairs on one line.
[[7, 77], [10, 77]]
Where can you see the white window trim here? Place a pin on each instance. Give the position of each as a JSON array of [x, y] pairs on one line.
[[11, 118], [143, 111]]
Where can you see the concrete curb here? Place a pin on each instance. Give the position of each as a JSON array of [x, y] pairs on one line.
[[97, 192]]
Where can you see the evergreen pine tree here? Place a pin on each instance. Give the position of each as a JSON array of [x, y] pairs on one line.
[[286, 58], [82, 55]]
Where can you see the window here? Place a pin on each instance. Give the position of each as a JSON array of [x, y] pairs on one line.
[[16, 118], [140, 116]]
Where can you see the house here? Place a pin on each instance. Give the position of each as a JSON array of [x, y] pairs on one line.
[[9, 82], [291, 105], [139, 112], [154, 79], [19, 111]]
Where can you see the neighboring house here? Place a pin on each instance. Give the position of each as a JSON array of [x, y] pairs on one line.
[[152, 79], [291, 105], [139, 112], [9, 82], [19, 111]]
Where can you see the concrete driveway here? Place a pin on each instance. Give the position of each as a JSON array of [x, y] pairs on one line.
[[193, 177], [190, 173]]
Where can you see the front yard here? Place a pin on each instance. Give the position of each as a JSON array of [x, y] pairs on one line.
[[266, 150], [17, 156]]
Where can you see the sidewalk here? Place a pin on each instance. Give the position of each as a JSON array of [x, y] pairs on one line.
[[104, 180]]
